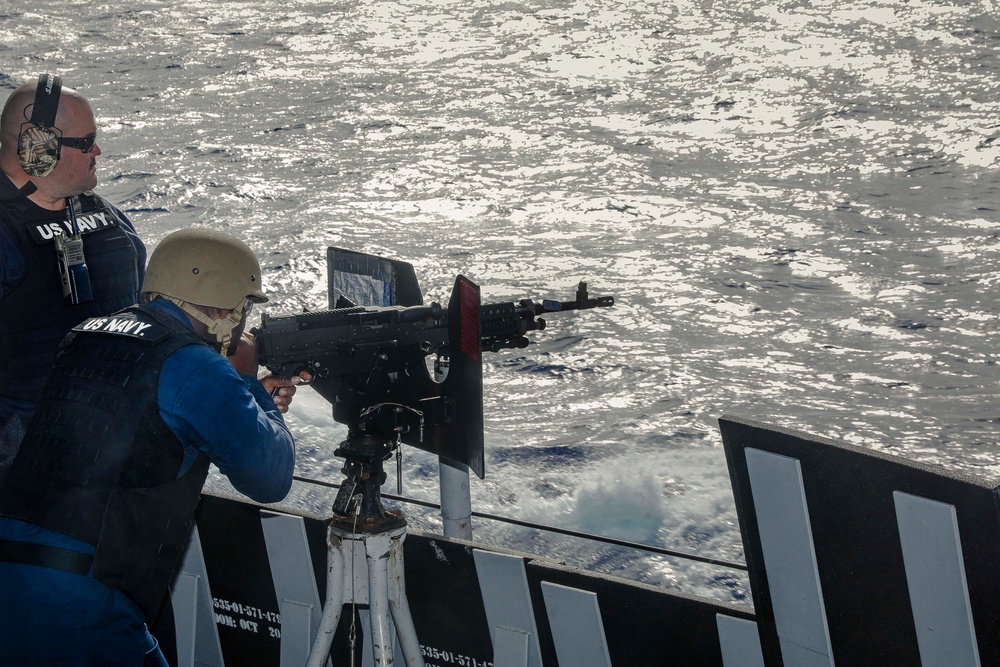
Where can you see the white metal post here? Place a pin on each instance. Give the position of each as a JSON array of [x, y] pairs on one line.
[[456, 499]]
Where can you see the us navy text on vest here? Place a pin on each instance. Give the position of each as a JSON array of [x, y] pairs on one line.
[[114, 325], [91, 222]]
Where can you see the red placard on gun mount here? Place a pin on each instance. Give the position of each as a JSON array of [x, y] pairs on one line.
[[468, 308], [464, 384]]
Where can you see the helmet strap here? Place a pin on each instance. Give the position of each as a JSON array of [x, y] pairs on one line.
[[221, 328]]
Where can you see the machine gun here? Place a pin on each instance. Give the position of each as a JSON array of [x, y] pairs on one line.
[[371, 361], [368, 355]]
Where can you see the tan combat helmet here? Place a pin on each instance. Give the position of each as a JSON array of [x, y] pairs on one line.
[[205, 267]]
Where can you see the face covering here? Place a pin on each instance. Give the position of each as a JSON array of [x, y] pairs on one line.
[[222, 329]]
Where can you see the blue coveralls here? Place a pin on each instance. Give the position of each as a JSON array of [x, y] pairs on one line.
[[50, 617]]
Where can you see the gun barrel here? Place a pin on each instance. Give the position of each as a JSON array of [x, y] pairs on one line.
[[549, 306], [313, 340]]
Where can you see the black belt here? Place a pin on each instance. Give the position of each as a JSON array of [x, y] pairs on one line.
[[56, 558]]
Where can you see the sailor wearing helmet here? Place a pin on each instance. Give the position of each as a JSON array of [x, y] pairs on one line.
[[98, 505]]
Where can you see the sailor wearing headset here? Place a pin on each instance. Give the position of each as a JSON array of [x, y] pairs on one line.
[[66, 254]]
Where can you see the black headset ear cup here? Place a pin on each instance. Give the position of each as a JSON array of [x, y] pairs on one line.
[[37, 149]]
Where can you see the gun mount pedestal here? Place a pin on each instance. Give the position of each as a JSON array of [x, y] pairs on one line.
[[365, 557]]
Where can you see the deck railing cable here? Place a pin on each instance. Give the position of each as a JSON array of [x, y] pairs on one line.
[[553, 529]]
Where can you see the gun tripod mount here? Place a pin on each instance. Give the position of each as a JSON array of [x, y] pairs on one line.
[[365, 552]]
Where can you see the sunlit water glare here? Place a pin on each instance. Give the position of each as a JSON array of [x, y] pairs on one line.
[[795, 206]]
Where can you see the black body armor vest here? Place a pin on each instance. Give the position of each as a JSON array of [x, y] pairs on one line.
[[34, 316], [99, 464]]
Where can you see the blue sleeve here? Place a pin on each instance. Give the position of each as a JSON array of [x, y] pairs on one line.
[[12, 264], [140, 247], [231, 419]]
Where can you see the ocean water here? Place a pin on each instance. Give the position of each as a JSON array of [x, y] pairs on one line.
[[795, 205]]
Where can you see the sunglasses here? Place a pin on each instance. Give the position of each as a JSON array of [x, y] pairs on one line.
[[85, 144]]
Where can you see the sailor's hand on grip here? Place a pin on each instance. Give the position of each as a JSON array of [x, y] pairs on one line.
[[282, 388]]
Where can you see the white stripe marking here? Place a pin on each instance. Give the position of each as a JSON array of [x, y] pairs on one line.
[[577, 627], [789, 558], [935, 576]]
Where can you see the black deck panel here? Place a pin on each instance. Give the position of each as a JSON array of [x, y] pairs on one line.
[[849, 493]]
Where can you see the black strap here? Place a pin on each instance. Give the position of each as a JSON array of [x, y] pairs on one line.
[[56, 558], [16, 201], [43, 113]]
